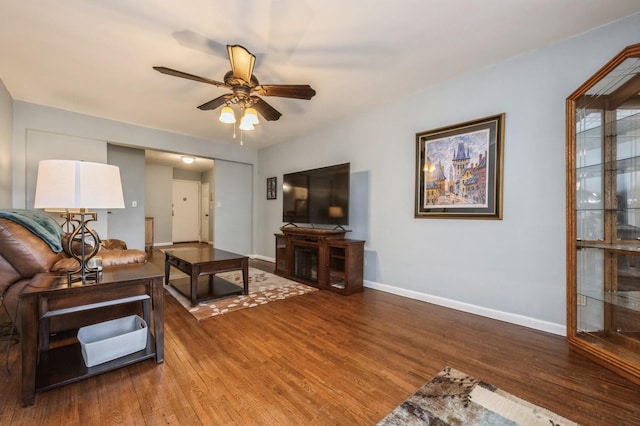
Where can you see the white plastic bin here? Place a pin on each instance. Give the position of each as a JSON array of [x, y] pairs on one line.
[[113, 339]]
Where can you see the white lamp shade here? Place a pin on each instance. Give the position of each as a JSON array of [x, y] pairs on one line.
[[67, 184]]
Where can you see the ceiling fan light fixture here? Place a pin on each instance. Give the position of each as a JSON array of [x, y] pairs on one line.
[[250, 116], [227, 115], [244, 87]]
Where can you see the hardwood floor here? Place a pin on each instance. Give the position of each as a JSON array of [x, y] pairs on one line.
[[322, 358]]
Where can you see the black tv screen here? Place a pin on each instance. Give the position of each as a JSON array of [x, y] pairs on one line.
[[318, 196]]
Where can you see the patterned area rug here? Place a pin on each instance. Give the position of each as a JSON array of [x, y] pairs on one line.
[[454, 398], [263, 288]]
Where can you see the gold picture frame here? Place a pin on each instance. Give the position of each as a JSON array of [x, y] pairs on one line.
[[459, 170]]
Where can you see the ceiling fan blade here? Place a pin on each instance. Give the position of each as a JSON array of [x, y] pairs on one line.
[[175, 73], [215, 103], [295, 91], [265, 110], [242, 62]]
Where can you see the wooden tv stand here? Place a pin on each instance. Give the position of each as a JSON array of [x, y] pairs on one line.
[[323, 258]]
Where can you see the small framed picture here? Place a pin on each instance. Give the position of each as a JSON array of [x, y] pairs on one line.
[[272, 190]]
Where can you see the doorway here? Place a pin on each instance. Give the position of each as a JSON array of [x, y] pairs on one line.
[[230, 200]]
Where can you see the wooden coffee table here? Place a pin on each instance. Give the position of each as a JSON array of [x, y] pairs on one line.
[[205, 261]]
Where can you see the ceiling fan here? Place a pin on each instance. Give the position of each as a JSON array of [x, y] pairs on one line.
[[244, 85]]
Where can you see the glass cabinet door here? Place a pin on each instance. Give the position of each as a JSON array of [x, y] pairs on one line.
[[589, 172]]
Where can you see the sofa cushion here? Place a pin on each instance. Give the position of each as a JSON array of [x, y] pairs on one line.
[[26, 252], [76, 246], [109, 258], [113, 244], [122, 257]]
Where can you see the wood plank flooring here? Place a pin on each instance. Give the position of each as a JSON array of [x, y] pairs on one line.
[[322, 358]]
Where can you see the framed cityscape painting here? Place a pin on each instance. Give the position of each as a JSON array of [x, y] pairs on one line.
[[459, 170]]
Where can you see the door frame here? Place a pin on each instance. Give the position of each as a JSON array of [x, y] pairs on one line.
[[206, 212]]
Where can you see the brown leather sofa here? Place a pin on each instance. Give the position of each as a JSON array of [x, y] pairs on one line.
[[23, 255]]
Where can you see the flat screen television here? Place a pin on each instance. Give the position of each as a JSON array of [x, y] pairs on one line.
[[317, 196]]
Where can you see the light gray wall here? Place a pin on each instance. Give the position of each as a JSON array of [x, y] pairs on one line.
[[38, 117], [158, 201], [180, 174], [6, 132], [28, 117], [43, 145], [233, 206], [513, 269], [128, 224]]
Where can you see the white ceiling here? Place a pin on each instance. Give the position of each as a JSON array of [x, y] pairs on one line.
[[96, 56]]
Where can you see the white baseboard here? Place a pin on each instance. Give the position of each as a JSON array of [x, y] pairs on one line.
[[517, 319], [260, 257], [162, 244], [509, 317]]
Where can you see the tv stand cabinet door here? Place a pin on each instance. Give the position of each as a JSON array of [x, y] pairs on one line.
[[282, 262], [345, 266]]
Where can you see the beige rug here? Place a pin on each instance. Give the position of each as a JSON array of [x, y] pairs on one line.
[[263, 288], [454, 398]]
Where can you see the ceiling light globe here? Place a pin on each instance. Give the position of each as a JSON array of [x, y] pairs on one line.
[[227, 115], [251, 116], [244, 125]]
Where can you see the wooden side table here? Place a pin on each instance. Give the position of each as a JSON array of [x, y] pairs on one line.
[[49, 295]]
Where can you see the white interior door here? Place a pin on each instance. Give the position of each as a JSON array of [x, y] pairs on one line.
[[186, 211]]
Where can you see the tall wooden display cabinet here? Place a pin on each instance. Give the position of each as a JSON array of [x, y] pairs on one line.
[[603, 215]]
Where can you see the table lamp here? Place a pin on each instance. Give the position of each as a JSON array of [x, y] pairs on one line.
[[336, 213], [76, 187]]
